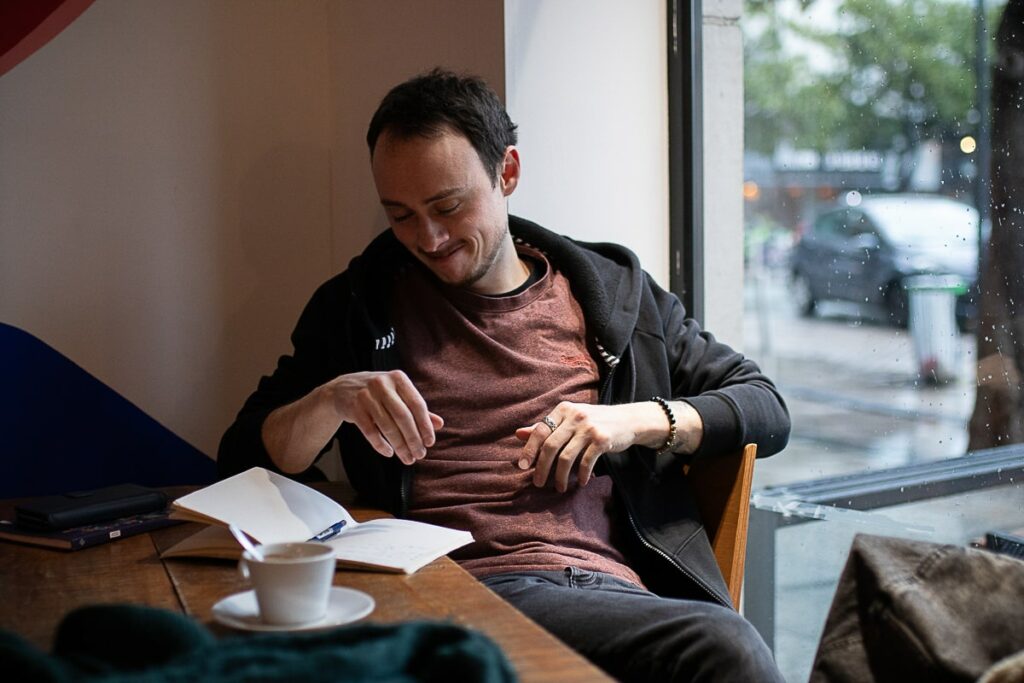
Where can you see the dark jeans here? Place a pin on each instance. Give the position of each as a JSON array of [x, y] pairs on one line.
[[636, 635]]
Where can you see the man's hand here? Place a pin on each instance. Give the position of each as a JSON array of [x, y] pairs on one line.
[[389, 411], [585, 432], [385, 406]]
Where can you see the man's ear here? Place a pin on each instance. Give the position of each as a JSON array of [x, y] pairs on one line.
[[510, 170]]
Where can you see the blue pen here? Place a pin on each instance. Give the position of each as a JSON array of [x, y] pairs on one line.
[[330, 532]]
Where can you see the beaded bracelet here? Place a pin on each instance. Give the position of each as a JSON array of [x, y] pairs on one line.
[[670, 443]]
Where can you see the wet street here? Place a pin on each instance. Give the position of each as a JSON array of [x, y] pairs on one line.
[[852, 387]]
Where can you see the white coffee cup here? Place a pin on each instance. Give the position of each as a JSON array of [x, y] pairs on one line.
[[292, 582]]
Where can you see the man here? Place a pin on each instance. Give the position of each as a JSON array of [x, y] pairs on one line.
[[483, 373]]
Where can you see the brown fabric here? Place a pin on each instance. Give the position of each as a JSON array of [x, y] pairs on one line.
[[1009, 670], [489, 365], [915, 611]]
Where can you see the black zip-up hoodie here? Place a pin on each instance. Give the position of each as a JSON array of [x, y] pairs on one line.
[[644, 345]]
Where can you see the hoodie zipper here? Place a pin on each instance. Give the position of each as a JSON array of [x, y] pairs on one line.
[[675, 563]]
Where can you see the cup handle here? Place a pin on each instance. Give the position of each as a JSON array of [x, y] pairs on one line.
[[243, 568]]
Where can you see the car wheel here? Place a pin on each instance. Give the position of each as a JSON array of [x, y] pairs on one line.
[[803, 297], [897, 304]]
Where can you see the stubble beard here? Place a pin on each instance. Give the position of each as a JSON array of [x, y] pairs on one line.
[[484, 267]]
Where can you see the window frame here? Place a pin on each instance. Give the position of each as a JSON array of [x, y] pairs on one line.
[[686, 154]]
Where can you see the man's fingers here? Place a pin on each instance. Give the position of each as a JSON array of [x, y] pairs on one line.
[[523, 433], [411, 437], [534, 437], [549, 450], [417, 409], [392, 432], [587, 463], [565, 460], [380, 443], [369, 430]]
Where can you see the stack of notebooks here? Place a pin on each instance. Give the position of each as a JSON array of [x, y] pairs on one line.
[[268, 507], [77, 520]]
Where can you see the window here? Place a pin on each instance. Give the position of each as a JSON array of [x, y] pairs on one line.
[[866, 200]]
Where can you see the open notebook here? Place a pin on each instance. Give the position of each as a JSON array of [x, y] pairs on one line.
[[272, 508]]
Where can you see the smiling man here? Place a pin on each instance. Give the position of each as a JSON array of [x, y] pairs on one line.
[[484, 373]]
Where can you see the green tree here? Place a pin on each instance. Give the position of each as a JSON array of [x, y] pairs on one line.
[[785, 98], [898, 72]]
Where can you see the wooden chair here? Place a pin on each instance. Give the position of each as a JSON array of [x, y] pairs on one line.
[[722, 488]]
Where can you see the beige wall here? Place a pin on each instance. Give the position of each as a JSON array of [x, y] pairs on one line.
[[177, 177], [377, 45]]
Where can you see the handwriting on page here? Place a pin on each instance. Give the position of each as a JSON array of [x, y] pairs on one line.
[[396, 543]]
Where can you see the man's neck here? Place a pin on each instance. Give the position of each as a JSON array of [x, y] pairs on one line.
[[534, 271], [508, 272]]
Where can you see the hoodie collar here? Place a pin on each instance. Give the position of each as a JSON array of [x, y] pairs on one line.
[[606, 278]]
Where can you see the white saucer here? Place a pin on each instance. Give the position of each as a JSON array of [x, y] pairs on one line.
[[240, 611]]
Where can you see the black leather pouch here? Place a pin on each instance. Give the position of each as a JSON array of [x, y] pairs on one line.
[[53, 513]]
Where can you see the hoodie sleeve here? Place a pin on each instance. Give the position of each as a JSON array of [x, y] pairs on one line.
[[736, 401]]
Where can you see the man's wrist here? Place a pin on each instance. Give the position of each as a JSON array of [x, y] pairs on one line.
[[673, 431], [657, 428], [652, 427], [690, 427]]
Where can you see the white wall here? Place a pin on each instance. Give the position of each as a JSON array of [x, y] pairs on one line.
[[723, 170], [586, 82]]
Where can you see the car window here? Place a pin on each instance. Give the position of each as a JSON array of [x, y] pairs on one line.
[[938, 224], [858, 224], [830, 225]]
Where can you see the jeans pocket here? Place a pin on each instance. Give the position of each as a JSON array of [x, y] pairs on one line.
[[582, 578]]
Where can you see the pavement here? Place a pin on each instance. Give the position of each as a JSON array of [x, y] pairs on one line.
[[857, 403], [852, 386]]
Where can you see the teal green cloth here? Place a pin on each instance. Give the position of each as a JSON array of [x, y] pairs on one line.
[[128, 643]]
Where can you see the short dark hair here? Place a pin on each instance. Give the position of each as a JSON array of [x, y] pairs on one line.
[[427, 104]]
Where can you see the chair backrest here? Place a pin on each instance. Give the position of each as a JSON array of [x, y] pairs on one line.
[[721, 485]]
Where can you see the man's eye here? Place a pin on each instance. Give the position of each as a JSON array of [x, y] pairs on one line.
[[398, 218], [448, 208]]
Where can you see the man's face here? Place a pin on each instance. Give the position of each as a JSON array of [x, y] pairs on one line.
[[442, 206]]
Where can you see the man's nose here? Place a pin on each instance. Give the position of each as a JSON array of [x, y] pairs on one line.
[[432, 235]]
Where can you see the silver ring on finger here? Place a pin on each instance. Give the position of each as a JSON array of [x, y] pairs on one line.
[[552, 425]]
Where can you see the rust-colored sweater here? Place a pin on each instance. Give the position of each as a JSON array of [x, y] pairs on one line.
[[489, 365]]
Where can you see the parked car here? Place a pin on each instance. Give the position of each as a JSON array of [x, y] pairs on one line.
[[863, 253]]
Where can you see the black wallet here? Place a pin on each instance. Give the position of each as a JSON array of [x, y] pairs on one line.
[[54, 513]]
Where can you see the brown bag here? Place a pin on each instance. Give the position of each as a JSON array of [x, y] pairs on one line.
[[915, 611]]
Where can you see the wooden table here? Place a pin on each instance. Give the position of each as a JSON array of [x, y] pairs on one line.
[[38, 586]]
